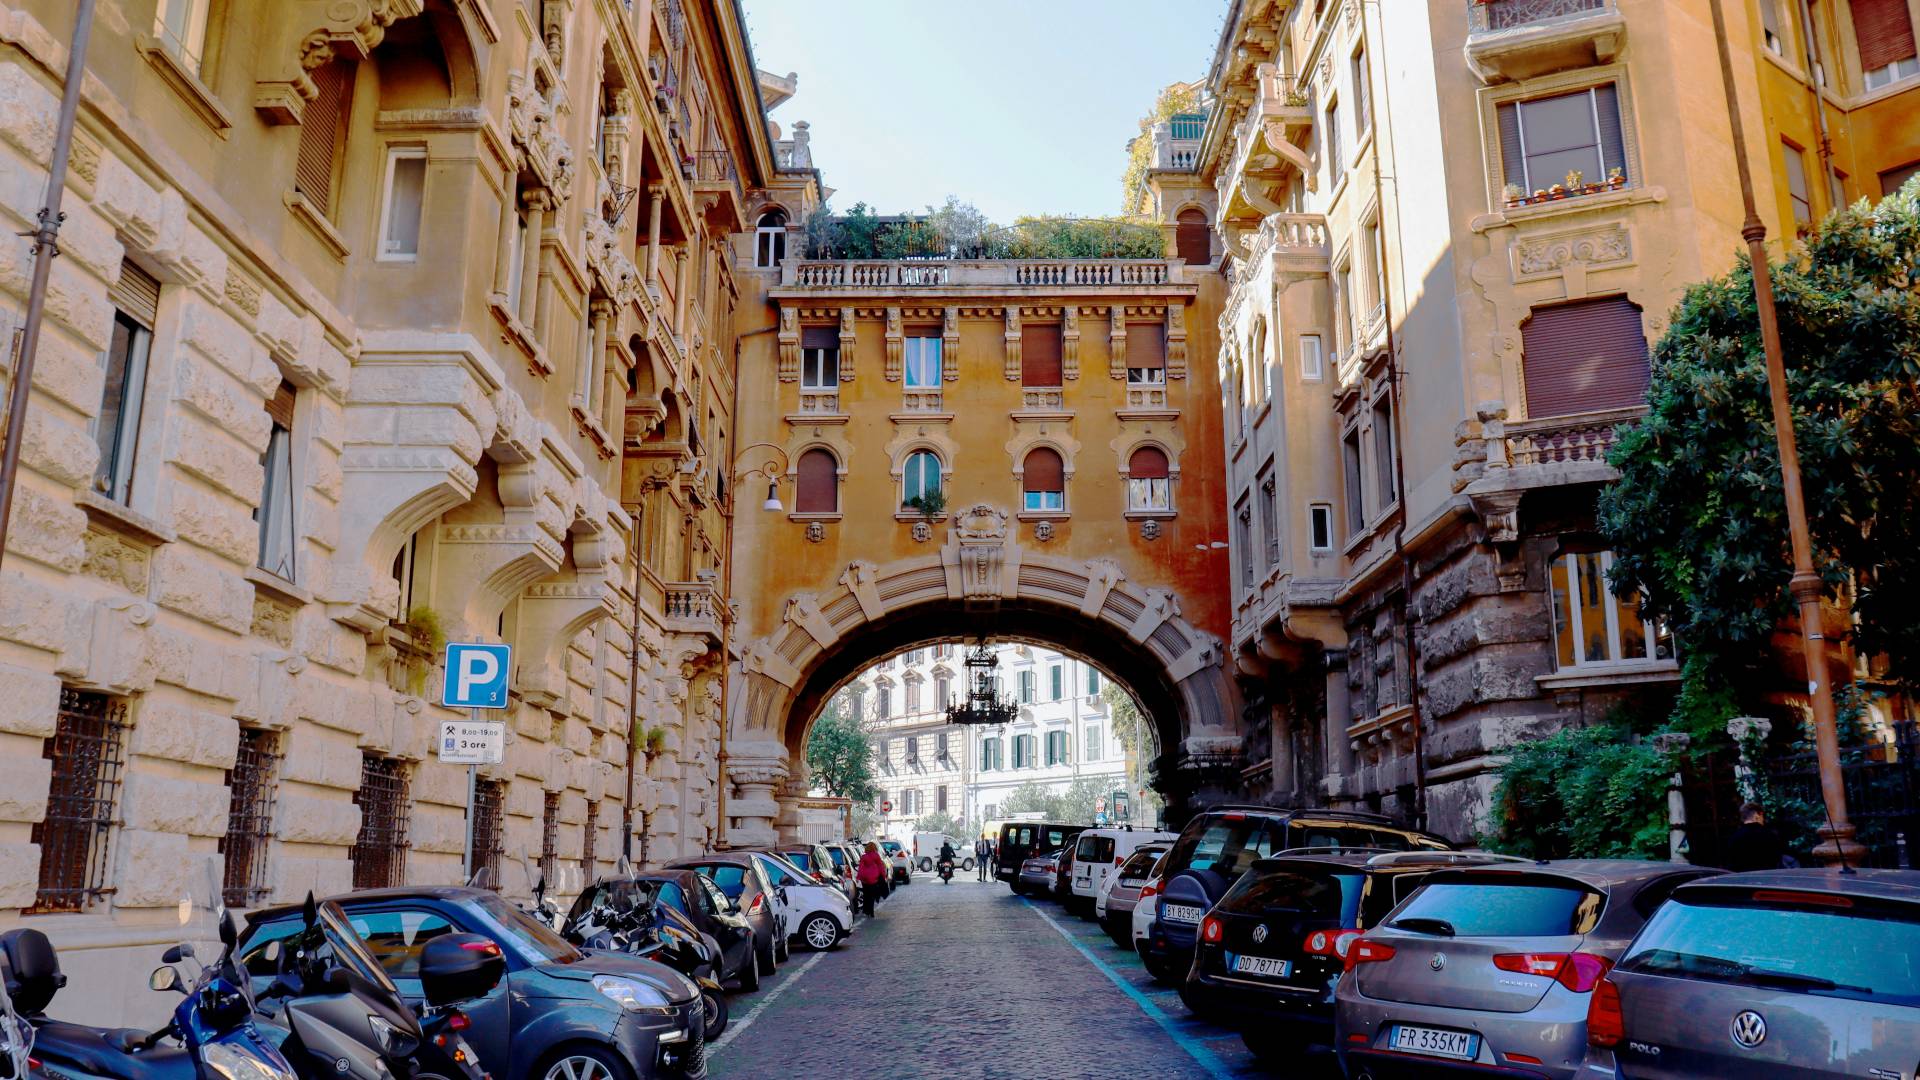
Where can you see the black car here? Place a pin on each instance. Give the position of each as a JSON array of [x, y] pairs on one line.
[[742, 880], [697, 898], [1272, 948], [559, 1014], [1220, 844], [1023, 840]]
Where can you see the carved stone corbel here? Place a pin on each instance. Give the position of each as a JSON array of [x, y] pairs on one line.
[[1013, 343], [950, 346], [1176, 341], [896, 344], [1070, 343], [789, 338], [315, 32], [846, 344], [1117, 347]]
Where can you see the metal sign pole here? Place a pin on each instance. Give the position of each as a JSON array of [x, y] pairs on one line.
[[473, 789]]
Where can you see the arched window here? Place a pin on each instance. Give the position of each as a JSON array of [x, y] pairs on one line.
[[1043, 480], [770, 238], [1147, 480], [922, 477], [817, 483], [1193, 238]]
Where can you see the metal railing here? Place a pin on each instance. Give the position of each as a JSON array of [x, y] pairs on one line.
[[1494, 16], [489, 838], [250, 817], [379, 852], [87, 753], [716, 167]]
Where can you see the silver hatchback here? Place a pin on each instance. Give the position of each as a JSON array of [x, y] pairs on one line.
[[1489, 970], [1773, 974]]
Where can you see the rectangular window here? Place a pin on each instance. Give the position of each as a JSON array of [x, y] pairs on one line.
[[550, 835], [1056, 676], [1023, 751], [923, 363], [1093, 681], [1346, 308], [1592, 625], [1044, 500], [819, 358], [275, 515], [1146, 354], [1356, 499], [1386, 491], [1090, 743], [1770, 27], [885, 702], [942, 696], [913, 749], [1026, 687], [1883, 32], [940, 746], [1797, 191], [322, 127], [402, 203], [1836, 189], [1312, 363], [991, 758], [136, 300], [1320, 526], [516, 258], [590, 838], [913, 696], [940, 798], [489, 835], [181, 26], [1584, 356], [1243, 535], [1270, 522], [1376, 273], [379, 852], [1362, 95], [250, 786], [1544, 140], [1336, 164], [86, 753], [1040, 355], [1056, 748]]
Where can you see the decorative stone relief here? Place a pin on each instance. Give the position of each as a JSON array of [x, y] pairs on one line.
[[1176, 341], [1012, 367], [950, 346], [896, 344], [846, 344], [1545, 256], [922, 532], [789, 338], [816, 532], [1043, 531], [980, 540], [1117, 338], [321, 31], [1150, 529], [1070, 343]]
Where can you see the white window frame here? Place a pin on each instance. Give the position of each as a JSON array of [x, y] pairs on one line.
[[906, 475], [1320, 523], [1897, 71], [1313, 360], [125, 451], [813, 369], [1611, 606], [1150, 493], [395, 155], [190, 45], [915, 359]]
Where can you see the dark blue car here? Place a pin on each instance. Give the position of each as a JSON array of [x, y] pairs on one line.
[[559, 1014], [1220, 844]]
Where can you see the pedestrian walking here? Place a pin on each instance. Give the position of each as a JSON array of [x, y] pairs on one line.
[[1755, 845], [982, 855], [872, 873]]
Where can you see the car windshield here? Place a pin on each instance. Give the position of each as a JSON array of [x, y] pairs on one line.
[[839, 857], [1523, 907], [1866, 951], [1093, 849], [534, 941], [1323, 894], [801, 859], [1227, 843], [731, 879], [1140, 863]]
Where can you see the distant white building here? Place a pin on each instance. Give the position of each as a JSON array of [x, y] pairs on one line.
[[925, 765]]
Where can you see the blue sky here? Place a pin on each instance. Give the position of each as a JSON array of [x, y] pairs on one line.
[[1018, 108]]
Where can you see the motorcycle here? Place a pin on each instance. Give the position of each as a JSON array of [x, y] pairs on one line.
[[946, 871], [638, 925], [16, 1035]]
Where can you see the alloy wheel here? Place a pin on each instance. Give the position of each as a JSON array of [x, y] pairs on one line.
[[579, 1067], [821, 932]]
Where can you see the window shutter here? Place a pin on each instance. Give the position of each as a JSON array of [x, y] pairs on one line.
[[137, 294], [1512, 163], [1192, 239], [1613, 145], [1146, 345], [1043, 471], [1040, 355], [1883, 31], [820, 337], [280, 405], [1584, 357], [814, 486], [1147, 463], [320, 128]]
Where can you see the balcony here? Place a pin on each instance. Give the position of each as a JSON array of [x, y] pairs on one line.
[[810, 278], [1270, 140], [1551, 451], [920, 401], [692, 607], [820, 402], [716, 180], [1520, 39], [1297, 243], [1176, 141]]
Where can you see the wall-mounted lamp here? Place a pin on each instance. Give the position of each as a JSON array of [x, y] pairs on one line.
[[772, 467]]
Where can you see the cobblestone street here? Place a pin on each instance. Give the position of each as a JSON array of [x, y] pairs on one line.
[[967, 980]]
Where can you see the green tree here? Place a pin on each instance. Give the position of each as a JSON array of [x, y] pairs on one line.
[[1178, 98], [1075, 805], [1596, 792], [1028, 798], [1697, 520], [840, 757], [942, 822]]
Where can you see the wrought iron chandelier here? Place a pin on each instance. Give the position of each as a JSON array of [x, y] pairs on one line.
[[984, 704]]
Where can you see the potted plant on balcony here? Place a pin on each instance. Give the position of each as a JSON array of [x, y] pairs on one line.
[[932, 505], [1616, 179], [1516, 195]]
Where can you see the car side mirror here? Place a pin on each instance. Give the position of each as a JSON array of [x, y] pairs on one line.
[[165, 978]]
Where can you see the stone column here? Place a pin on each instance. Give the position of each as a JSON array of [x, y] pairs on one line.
[[1339, 748], [1741, 729], [1673, 743], [682, 283], [509, 224], [654, 199], [599, 312], [530, 260]]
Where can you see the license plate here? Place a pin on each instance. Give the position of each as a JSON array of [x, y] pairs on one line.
[[1180, 913], [1435, 1042], [1261, 965]]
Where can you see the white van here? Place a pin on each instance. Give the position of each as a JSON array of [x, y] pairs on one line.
[[926, 849], [1096, 854]]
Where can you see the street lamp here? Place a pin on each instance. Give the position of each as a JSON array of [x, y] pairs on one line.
[[772, 467], [1805, 585]]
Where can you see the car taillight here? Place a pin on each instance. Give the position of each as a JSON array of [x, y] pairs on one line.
[[1606, 1023], [458, 1021], [1151, 888], [1334, 943], [759, 905], [1578, 972], [1211, 930], [1367, 951]]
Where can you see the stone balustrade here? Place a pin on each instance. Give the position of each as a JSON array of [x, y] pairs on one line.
[[988, 273], [920, 401], [1564, 440], [1493, 16], [692, 607], [820, 402]]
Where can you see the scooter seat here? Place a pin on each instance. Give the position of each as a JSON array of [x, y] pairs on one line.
[[103, 1052]]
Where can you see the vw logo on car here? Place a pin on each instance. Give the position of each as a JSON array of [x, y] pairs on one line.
[[1749, 1029], [1259, 933]]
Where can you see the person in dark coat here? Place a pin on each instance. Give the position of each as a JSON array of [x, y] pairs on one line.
[[1755, 845]]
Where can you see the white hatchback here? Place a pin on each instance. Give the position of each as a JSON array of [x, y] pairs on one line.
[[1097, 853], [817, 914]]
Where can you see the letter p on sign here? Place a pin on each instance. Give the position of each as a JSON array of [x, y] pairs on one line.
[[476, 676]]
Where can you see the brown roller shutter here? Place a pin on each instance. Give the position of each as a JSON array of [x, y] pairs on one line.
[[1192, 239], [1584, 357], [815, 484], [1040, 355], [137, 294], [1883, 31], [1146, 345], [1147, 463], [820, 337], [280, 405], [321, 127], [1043, 471], [1512, 159]]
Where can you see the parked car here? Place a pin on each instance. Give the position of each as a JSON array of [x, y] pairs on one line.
[[1272, 948], [1118, 897], [1037, 875], [703, 904], [1146, 908], [900, 863], [1097, 853], [814, 859], [1217, 846], [1777, 973], [1494, 966], [818, 915], [1063, 875], [561, 1013], [1021, 840], [742, 880]]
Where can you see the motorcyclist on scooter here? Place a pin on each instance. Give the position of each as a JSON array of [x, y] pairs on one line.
[[947, 860]]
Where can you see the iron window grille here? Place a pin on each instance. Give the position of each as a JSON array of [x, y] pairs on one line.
[[488, 796], [379, 852], [87, 753], [550, 836], [253, 785], [590, 834]]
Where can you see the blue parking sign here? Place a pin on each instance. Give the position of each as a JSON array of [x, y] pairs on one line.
[[476, 675]]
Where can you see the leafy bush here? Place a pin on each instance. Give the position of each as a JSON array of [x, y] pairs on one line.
[[1595, 792]]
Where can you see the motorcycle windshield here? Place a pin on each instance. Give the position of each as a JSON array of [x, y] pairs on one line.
[[351, 952]]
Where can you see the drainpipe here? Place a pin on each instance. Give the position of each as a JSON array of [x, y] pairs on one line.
[[46, 247], [1394, 394], [633, 701], [1811, 40]]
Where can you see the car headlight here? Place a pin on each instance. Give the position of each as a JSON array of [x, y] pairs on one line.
[[631, 994], [233, 1063]]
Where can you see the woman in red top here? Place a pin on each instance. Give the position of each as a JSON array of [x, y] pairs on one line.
[[872, 871]]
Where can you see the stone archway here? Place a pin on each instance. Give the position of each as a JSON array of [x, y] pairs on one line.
[[982, 580]]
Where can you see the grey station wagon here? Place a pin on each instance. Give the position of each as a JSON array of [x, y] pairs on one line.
[[1778, 973]]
